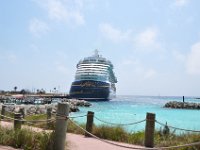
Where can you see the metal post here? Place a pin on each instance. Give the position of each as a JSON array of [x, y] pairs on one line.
[[149, 130], [3, 111], [89, 124], [48, 116], [17, 122], [61, 126]]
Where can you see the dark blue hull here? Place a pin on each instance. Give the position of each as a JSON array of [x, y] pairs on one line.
[[90, 90]]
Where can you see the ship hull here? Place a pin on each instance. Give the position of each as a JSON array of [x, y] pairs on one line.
[[90, 90]]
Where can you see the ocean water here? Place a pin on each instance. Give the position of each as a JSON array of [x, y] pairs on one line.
[[129, 109]]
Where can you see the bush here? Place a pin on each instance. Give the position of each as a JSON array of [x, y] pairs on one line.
[[111, 133], [26, 139]]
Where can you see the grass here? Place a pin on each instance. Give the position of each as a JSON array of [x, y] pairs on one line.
[[26, 139], [119, 134], [116, 133], [181, 139], [39, 124]]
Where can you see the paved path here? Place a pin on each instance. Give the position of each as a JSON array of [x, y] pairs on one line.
[[7, 148], [78, 142]]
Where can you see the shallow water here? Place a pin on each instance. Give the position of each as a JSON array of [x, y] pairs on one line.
[[129, 109]]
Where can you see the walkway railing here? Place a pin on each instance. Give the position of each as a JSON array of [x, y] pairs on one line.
[[62, 116], [120, 124]]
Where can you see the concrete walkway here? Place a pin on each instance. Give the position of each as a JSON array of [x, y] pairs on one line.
[[7, 148], [77, 142], [80, 142]]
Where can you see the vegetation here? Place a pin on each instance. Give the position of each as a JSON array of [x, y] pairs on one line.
[[161, 139], [26, 139], [117, 133]]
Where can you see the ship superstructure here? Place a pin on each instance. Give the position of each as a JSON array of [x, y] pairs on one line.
[[94, 79]]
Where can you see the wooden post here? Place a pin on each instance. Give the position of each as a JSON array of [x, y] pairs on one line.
[[149, 130], [17, 122], [3, 111], [48, 116], [61, 126], [89, 124], [22, 111]]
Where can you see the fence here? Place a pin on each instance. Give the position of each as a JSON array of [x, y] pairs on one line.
[[62, 116]]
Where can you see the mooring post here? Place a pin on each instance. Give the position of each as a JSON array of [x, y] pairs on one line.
[[149, 130], [48, 116], [61, 126], [3, 110], [17, 121], [89, 124]]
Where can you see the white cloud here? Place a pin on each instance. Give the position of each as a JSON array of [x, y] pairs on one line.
[[112, 33], [193, 60], [180, 3], [147, 39], [63, 10], [38, 27], [178, 56], [136, 68]]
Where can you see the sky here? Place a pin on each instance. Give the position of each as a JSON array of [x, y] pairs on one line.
[[154, 45]]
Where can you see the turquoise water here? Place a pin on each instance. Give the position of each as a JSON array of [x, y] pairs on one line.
[[128, 109]]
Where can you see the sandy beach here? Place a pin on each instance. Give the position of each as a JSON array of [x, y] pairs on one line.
[[78, 142]]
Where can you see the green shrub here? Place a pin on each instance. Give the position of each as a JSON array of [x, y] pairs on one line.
[[111, 133], [43, 125], [26, 139], [44, 140]]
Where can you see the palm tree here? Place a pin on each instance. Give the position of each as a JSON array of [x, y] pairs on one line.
[[15, 88]]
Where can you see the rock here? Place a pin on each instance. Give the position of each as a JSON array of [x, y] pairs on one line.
[[182, 105], [32, 110], [87, 104], [74, 108], [42, 109], [17, 108]]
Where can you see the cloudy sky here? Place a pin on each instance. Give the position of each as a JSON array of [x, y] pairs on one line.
[[154, 45]]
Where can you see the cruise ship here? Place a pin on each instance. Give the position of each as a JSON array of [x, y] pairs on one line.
[[94, 79]]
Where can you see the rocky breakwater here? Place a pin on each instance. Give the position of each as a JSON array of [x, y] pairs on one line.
[[42, 109], [74, 104], [182, 105]]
